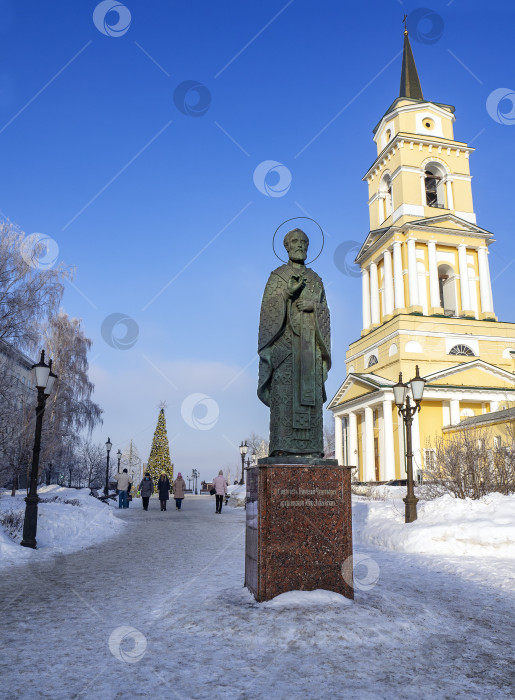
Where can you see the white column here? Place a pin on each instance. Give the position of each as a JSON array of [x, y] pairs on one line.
[[455, 411], [423, 198], [338, 439], [389, 454], [494, 406], [353, 440], [374, 293], [369, 461], [397, 275], [402, 447], [412, 273], [434, 291], [415, 445], [485, 289], [464, 278], [388, 283], [365, 293], [450, 200]]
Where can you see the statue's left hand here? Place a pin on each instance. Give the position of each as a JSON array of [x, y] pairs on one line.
[[305, 305]]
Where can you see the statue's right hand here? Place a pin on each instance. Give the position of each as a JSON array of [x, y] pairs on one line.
[[295, 283]]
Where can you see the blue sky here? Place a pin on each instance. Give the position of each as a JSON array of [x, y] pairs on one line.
[[140, 195]]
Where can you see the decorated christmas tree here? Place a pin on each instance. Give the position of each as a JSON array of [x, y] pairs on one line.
[[159, 460]]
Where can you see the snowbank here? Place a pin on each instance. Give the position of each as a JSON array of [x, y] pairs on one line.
[[68, 520], [238, 495], [444, 526]]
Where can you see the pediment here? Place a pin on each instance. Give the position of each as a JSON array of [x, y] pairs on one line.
[[356, 385], [476, 373], [450, 222]]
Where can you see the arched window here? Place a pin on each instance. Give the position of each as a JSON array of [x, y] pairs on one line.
[[461, 350], [433, 181], [372, 360], [447, 285]]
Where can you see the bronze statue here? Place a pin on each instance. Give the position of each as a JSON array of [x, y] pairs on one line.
[[294, 349]]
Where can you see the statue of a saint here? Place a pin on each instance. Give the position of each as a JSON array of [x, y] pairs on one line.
[[295, 353]]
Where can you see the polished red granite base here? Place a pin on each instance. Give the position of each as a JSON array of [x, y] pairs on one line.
[[299, 529]]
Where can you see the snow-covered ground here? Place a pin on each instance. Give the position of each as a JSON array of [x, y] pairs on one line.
[[160, 611], [68, 520]]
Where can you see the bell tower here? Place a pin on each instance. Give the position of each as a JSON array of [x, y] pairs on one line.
[[426, 291]]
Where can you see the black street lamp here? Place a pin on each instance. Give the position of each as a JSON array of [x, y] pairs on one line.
[[45, 380], [243, 451], [119, 455], [109, 444], [407, 411], [195, 475]]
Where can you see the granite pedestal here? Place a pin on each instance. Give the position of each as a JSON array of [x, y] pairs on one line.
[[299, 527]]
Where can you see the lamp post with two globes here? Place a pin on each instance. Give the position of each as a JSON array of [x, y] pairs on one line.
[[407, 411], [45, 380]]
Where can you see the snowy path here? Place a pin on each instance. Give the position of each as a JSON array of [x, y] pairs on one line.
[[176, 578]]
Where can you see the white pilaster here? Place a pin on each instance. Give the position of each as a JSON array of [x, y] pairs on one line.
[[494, 406], [455, 411], [464, 277], [388, 450], [365, 294], [353, 439], [388, 283], [397, 275], [434, 291], [412, 273], [338, 439], [450, 199], [369, 461], [485, 289], [374, 294]]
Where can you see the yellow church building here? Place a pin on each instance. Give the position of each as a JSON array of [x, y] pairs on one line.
[[427, 295]]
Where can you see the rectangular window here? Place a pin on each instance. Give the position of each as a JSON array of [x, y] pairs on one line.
[[497, 442]]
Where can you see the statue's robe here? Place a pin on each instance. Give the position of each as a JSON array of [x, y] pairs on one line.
[[295, 356]]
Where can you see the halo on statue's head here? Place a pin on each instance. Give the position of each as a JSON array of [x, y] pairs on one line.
[[295, 218]]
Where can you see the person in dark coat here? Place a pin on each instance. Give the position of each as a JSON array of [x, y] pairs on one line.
[[163, 486], [146, 489]]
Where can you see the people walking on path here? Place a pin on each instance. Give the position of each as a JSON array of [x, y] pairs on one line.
[[146, 489], [122, 484], [179, 487], [220, 484], [163, 486]]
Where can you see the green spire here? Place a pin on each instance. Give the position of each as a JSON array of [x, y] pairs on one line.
[[410, 83]]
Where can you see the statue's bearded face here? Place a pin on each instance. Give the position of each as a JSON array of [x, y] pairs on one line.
[[296, 243]]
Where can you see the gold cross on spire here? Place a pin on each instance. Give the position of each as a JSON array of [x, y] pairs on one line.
[[404, 19]]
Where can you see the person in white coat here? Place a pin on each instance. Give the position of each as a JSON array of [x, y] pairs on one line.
[[220, 484]]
